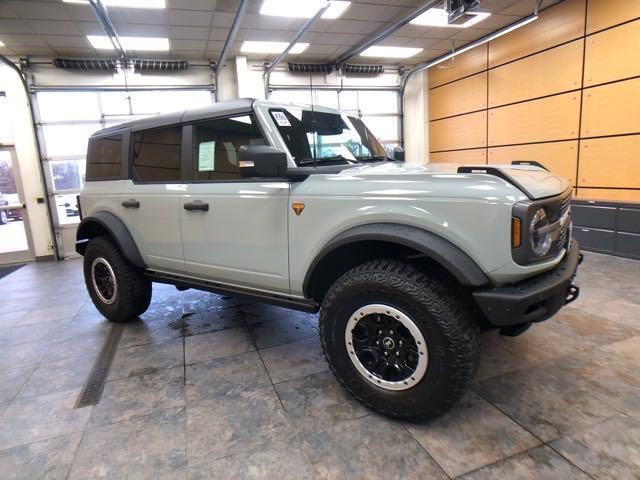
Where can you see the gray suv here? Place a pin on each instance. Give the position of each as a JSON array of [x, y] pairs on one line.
[[300, 207]]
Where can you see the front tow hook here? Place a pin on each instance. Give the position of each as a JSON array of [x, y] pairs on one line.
[[573, 292]]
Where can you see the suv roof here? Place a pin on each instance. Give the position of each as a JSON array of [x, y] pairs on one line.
[[228, 107]]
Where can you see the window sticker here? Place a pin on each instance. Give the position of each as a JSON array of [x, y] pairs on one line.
[[206, 151], [281, 119]]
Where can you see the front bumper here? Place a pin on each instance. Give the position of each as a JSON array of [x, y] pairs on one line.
[[535, 299]]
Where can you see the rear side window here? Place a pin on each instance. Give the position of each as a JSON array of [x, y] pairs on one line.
[[104, 158], [216, 143], [156, 155]]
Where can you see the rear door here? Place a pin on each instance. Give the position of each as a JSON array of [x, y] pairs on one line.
[[234, 229], [150, 199]]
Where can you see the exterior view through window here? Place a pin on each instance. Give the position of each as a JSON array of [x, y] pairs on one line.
[[327, 138]]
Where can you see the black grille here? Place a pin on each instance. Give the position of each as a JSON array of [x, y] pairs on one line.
[[565, 206]]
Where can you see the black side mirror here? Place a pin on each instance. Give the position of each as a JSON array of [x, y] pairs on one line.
[[261, 161], [398, 154]]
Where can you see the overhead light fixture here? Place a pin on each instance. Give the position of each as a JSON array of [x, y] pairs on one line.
[[143, 44], [249, 46], [126, 3], [438, 17], [303, 8], [1, 43], [390, 52]]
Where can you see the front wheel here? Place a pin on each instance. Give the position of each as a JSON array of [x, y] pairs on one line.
[[118, 290], [399, 340]]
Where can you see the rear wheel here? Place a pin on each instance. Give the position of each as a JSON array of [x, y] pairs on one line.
[[398, 340], [4, 218], [118, 290]]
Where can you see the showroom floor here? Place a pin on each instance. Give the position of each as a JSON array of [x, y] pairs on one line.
[[210, 387]]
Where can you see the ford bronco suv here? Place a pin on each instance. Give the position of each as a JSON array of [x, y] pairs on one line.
[[300, 207]]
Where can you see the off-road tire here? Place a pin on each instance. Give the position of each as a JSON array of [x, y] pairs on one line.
[[4, 217], [134, 290], [444, 320]]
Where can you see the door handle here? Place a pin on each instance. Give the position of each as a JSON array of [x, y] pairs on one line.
[[131, 203], [197, 206]]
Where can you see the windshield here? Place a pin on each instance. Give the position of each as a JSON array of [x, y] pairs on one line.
[[328, 138]]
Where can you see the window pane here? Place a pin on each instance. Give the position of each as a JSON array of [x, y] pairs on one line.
[[216, 143], [65, 175], [114, 103], [385, 128], [153, 102], [326, 98], [377, 102], [67, 209], [348, 101], [66, 106], [67, 140], [6, 134], [302, 97], [156, 155], [104, 158]]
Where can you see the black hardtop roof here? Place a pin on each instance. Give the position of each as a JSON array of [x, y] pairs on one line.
[[229, 107]]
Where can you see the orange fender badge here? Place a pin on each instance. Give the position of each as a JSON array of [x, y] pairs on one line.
[[297, 207]]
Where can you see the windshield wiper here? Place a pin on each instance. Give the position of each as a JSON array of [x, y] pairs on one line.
[[313, 161]]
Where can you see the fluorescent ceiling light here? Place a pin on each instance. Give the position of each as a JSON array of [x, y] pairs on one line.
[[303, 8], [271, 47], [147, 44], [390, 52], [126, 3], [1, 43], [438, 17]]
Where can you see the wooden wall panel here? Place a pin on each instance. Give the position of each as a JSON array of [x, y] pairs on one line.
[[477, 156], [531, 77], [542, 120], [610, 162], [606, 13], [555, 25], [463, 96], [609, 194], [611, 109], [613, 54], [465, 64], [465, 131], [559, 157]]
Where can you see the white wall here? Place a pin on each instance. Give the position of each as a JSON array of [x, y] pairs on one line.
[[26, 151], [415, 119]]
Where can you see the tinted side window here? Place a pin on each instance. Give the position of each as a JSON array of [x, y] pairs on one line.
[[104, 158], [156, 155], [216, 143]]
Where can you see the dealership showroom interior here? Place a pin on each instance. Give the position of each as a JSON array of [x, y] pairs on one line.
[[313, 239]]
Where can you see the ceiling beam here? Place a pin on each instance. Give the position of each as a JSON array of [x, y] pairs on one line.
[[235, 26], [103, 18], [382, 34]]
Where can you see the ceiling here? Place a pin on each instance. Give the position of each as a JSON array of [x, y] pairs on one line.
[[197, 29]]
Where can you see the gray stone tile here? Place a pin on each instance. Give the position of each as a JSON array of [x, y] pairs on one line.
[[294, 360], [49, 459], [540, 463], [153, 447], [30, 333], [589, 329], [213, 320], [144, 332], [32, 419], [81, 345], [284, 330], [610, 449], [544, 404], [11, 380], [471, 435], [223, 343], [146, 359], [262, 312], [369, 447], [282, 459], [496, 360], [59, 376], [318, 400], [12, 315], [225, 376], [247, 421], [22, 355], [138, 396], [54, 313]]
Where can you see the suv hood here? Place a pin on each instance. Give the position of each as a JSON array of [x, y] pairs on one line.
[[537, 182]]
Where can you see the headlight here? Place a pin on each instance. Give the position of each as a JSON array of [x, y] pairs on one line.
[[540, 242]]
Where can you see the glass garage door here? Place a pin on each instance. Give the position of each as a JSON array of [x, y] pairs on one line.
[[379, 109], [66, 120]]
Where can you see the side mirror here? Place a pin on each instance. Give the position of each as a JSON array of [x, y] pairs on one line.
[[261, 161], [398, 154]]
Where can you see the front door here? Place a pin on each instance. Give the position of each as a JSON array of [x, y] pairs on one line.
[[234, 230]]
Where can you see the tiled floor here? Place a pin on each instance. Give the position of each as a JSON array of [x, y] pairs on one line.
[[211, 387]]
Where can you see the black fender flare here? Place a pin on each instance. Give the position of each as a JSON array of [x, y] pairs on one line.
[[101, 222], [442, 251]]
